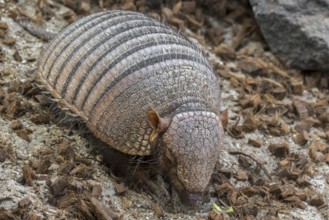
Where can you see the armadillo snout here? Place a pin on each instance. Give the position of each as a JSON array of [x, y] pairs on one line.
[[193, 200]]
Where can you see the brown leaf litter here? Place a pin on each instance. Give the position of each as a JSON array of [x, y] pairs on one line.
[[270, 98]]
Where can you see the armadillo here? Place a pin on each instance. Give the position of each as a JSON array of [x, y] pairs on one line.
[[141, 88]]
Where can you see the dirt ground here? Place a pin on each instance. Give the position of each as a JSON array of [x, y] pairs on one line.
[[275, 162]]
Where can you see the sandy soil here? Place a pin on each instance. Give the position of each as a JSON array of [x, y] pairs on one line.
[[49, 169]]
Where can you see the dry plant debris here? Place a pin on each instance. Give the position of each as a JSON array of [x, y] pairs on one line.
[[272, 102]]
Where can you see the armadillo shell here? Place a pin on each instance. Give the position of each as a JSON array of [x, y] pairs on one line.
[[111, 67]]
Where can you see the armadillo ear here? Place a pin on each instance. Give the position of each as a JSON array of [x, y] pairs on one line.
[[157, 123], [153, 118]]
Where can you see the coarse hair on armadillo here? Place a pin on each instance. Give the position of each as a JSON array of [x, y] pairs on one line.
[[61, 114], [111, 67]]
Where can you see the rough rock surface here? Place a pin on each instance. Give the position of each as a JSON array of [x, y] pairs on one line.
[[296, 31]]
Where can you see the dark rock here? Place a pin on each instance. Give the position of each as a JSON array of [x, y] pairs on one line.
[[296, 31]]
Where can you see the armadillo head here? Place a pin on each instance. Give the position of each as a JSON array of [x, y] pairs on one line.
[[190, 147]]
